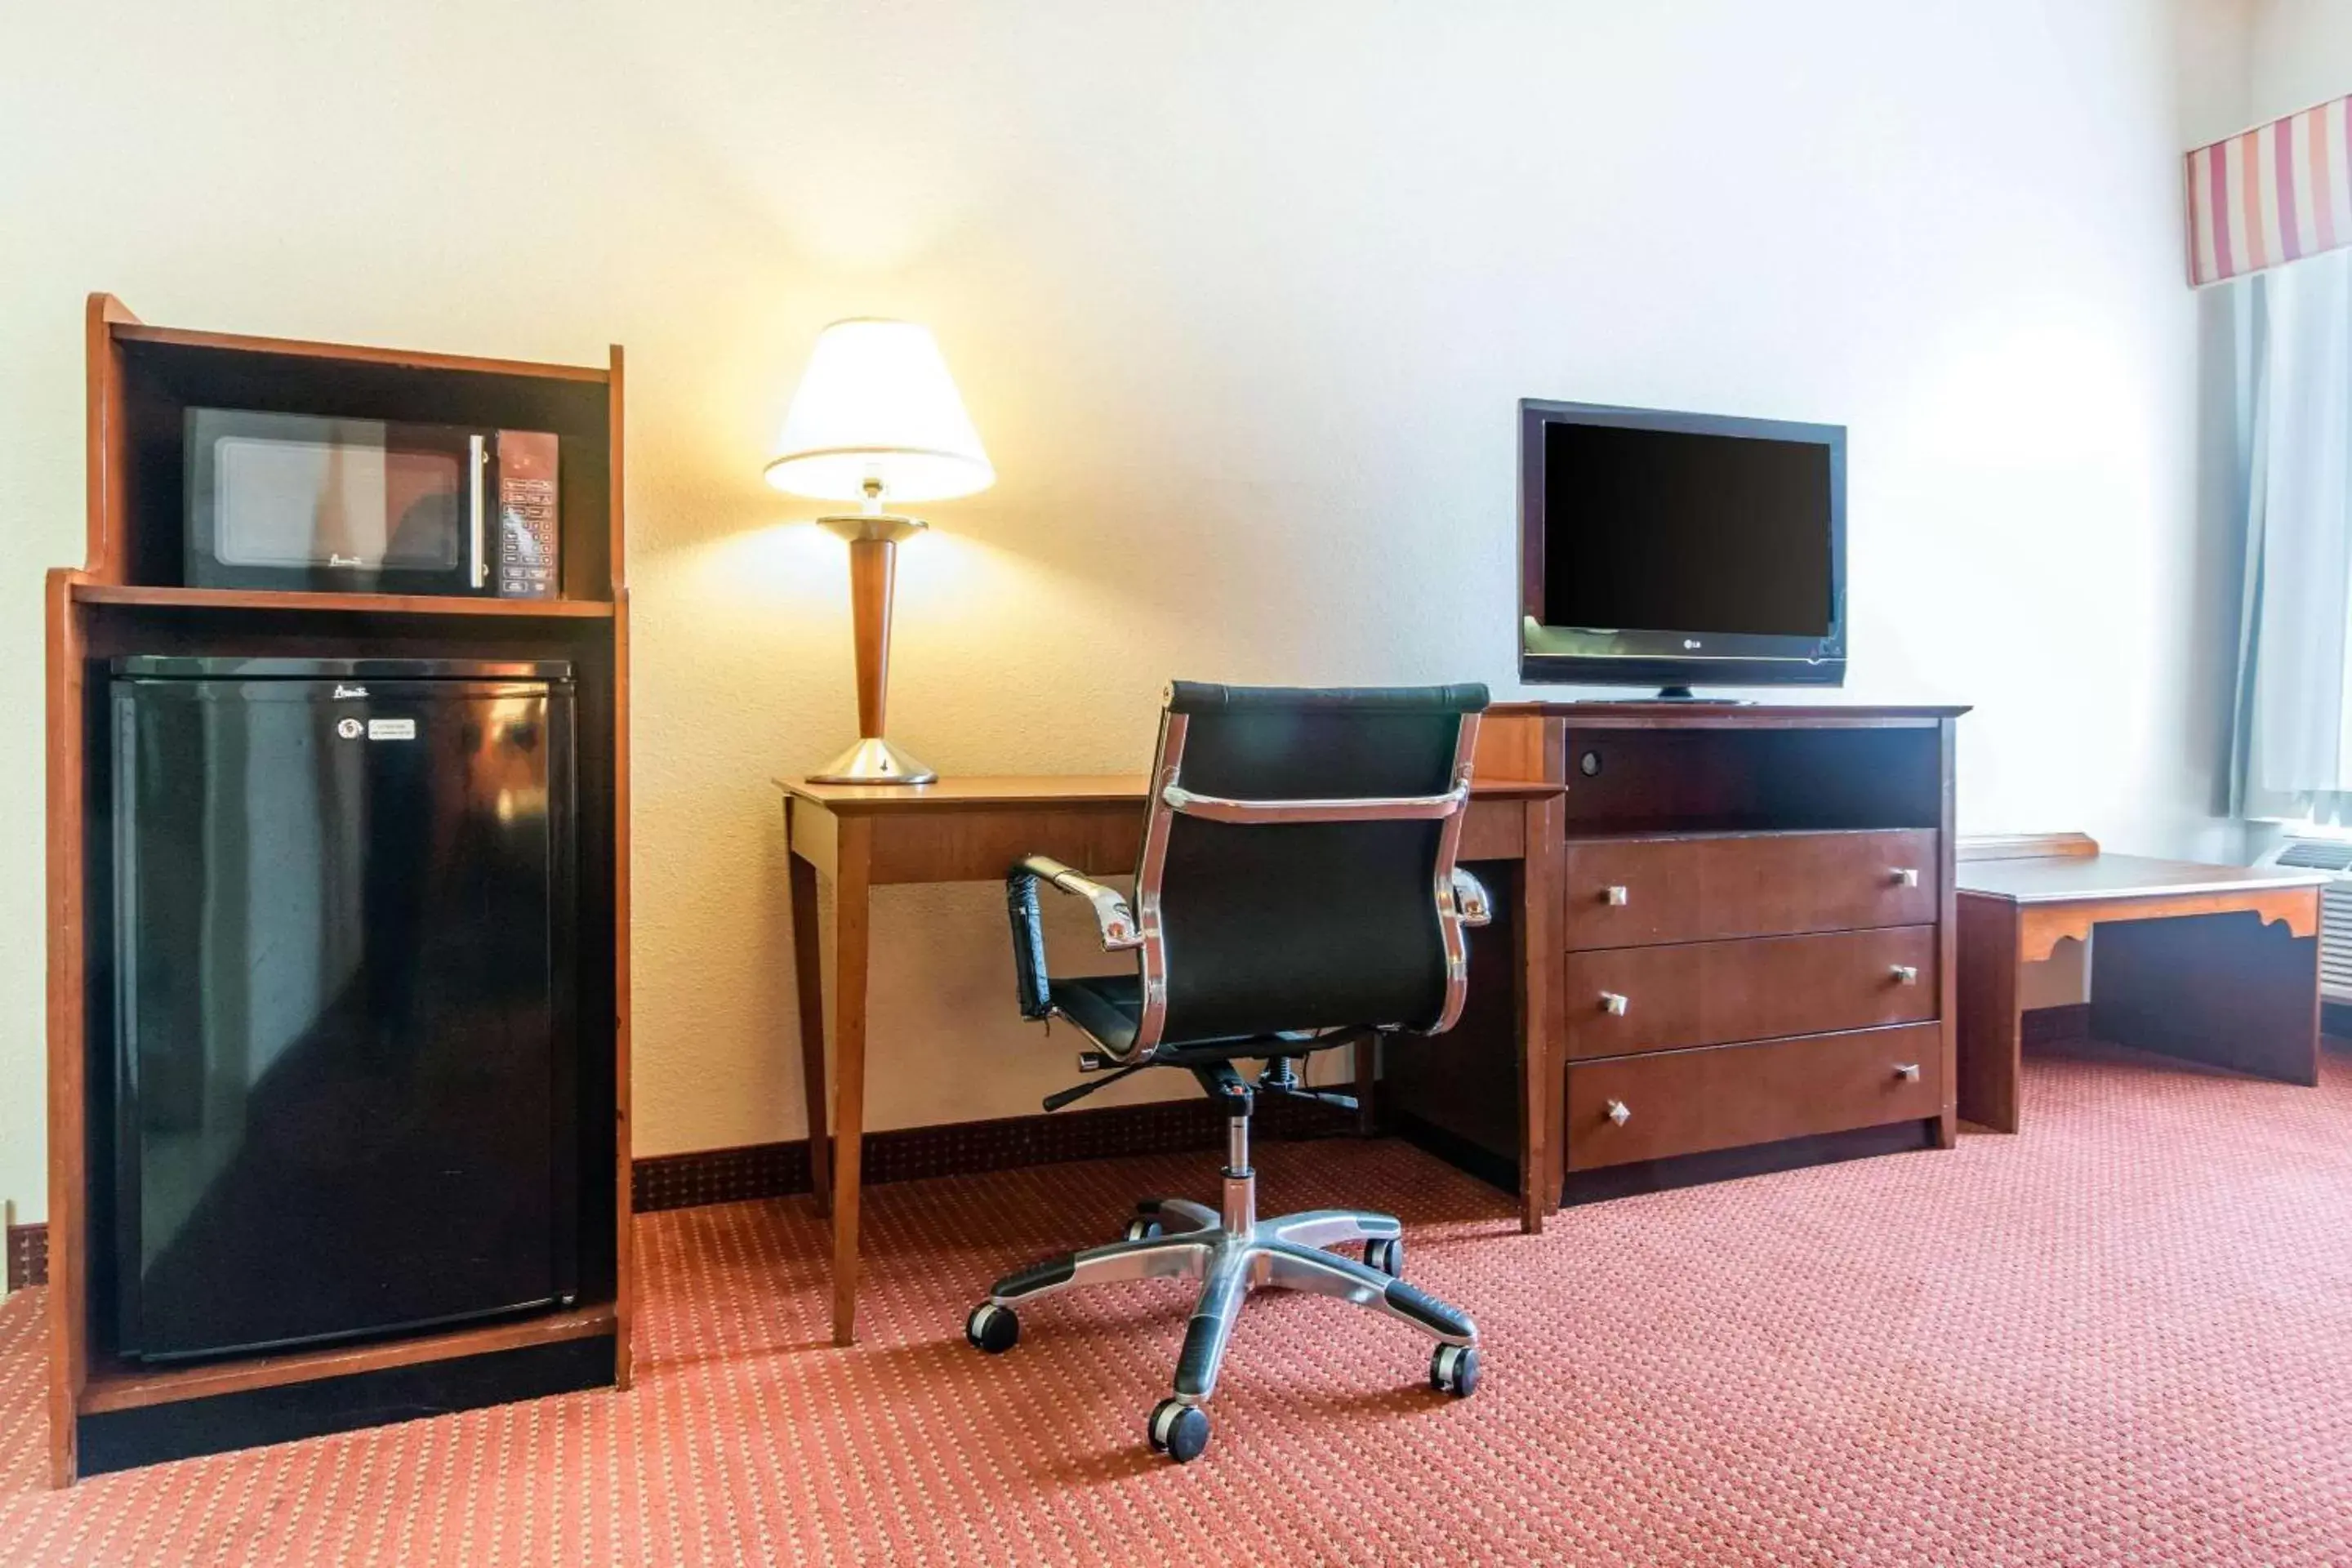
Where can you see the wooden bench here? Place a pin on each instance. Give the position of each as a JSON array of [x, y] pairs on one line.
[[2216, 965]]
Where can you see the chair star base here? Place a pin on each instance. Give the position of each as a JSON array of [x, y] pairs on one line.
[[1171, 1239]]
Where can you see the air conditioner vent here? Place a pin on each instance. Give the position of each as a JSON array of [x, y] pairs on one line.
[[2336, 942], [2318, 855]]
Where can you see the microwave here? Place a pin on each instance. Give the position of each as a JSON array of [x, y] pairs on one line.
[[369, 506]]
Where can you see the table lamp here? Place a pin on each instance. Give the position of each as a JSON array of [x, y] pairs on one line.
[[877, 418]]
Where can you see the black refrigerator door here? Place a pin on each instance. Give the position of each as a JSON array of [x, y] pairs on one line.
[[343, 944]]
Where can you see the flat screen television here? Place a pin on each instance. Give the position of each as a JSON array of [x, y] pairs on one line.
[[1675, 550]]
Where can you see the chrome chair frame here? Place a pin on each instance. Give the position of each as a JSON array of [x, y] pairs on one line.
[[1229, 1249], [1461, 900]]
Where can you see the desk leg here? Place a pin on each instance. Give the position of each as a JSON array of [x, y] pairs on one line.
[[2225, 989], [808, 979], [849, 938], [1991, 1029]]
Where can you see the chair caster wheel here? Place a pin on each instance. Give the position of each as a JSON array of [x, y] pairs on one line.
[[1142, 1229], [1179, 1430], [1387, 1255], [993, 1328], [1454, 1370]]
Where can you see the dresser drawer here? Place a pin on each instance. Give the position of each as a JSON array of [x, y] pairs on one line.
[[1688, 1102], [1628, 999], [1626, 893]]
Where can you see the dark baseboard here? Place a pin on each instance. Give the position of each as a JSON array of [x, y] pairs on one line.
[[901, 1154], [2335, 1019], [1497, 1170], [722, 1176], [2047, 1025], [967, 1148], [1753, 1160]]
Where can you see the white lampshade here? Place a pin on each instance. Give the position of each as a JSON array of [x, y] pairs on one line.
[[876, 403]]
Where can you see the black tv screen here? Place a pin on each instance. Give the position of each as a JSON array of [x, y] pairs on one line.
[[1677, 548]]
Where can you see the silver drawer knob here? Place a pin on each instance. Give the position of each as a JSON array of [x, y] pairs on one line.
[[1613, 1004], [1907, 877], [1907, 1071], [1905, 974], [1613, 897], [1620, 1115]]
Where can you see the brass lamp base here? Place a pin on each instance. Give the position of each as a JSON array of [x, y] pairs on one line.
[[874, 761], [886, 526]]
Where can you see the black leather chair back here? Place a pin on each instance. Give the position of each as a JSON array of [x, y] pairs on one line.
[[1303, 925]]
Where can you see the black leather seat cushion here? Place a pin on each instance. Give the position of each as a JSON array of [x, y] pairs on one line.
[[1107, 1006]]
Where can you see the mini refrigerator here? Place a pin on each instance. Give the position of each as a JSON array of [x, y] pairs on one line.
[[342, 928]]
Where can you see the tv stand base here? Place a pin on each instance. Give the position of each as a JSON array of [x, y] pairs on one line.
[[1684, 694]]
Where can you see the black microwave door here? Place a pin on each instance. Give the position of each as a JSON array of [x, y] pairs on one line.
[[295, 501], [344, 944]]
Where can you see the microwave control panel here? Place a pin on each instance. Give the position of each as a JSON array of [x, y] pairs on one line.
[[526, 564]]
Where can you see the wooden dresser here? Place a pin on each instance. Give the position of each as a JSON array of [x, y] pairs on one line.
[[1756, 947]]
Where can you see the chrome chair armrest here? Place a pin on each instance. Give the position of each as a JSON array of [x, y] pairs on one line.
[[1470, 899], [1113, 917]]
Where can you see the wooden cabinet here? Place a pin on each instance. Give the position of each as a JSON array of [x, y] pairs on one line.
[[1755, 948], [131, 597]]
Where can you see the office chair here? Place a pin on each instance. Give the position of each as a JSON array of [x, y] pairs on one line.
[[1296, 892]]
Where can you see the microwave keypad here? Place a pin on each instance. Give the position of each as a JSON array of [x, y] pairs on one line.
[[528, 562], [527, 539]]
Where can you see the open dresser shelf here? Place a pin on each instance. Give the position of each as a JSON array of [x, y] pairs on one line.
[[128, 597]]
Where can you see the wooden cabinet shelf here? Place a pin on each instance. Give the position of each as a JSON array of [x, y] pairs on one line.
[[338, 604], [121, 1387]]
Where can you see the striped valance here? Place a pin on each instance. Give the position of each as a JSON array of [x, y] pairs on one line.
[[2271, 195]]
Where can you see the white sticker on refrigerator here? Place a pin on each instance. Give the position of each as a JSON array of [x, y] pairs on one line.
[[392, 729]]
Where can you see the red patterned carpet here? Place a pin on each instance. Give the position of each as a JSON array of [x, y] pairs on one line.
[[2123, 1337]]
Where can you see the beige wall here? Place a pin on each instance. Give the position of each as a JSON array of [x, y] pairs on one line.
[[1241, 295], [2301, 55]]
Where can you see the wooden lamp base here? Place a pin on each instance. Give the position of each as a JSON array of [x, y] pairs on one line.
[[873, 568]]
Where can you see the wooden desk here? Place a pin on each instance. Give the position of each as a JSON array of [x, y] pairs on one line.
[[2214, 964], [861, 837]]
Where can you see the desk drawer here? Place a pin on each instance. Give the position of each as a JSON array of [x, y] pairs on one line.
[[1711, 887], [1688, 1102], [1630, 999]]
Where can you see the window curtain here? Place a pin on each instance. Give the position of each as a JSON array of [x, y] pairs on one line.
[[2272, 195], [2293, 734]]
